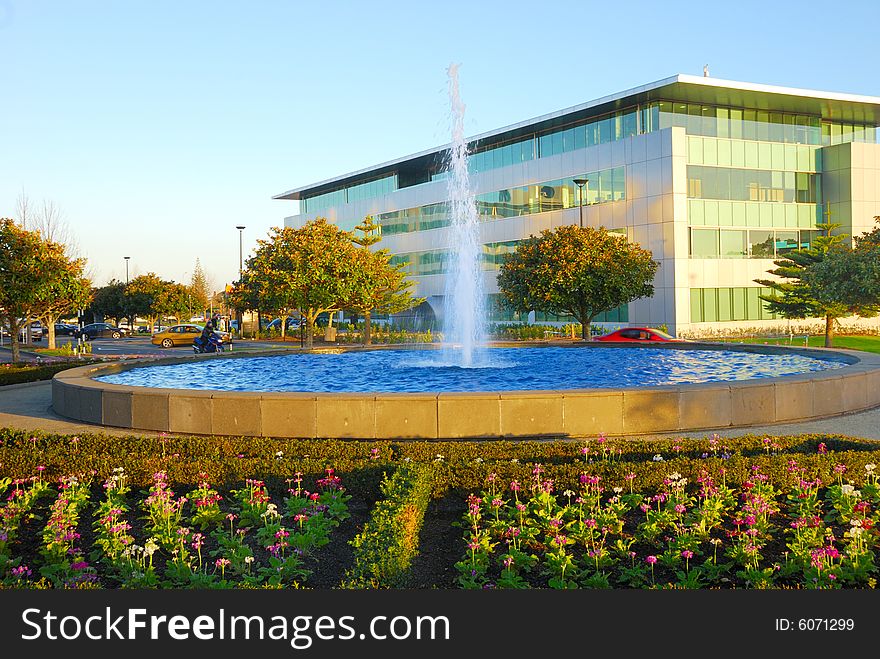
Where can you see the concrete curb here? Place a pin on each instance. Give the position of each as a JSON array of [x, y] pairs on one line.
[[505, 414]]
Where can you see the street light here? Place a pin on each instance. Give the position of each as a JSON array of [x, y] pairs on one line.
[[581, 182], [130, 319], [238, 311], [240, 229]]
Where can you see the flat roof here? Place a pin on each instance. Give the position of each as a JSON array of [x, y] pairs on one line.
[[680, 87]]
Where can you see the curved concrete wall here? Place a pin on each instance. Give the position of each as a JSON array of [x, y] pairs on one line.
[[584, 412]]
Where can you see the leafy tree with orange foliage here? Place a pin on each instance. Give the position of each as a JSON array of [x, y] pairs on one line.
[[577, 271], [37, 280], [309, 269]]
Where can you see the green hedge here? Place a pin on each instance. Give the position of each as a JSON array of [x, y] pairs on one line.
[[24, 372], [389, 541], [457, 466]]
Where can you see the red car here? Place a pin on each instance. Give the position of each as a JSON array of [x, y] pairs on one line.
[[637, 334]]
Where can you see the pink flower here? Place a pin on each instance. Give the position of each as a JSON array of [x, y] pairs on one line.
[[687, 553], [651, 560]]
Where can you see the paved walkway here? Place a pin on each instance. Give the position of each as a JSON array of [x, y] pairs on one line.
[[29, 407]]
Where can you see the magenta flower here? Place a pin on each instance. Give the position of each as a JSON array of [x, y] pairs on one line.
[[651, 560]]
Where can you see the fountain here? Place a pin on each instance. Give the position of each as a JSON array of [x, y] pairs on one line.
[[528, 391], [464, 326]]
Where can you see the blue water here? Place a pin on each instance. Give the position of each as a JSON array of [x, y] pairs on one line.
[[508, 369]]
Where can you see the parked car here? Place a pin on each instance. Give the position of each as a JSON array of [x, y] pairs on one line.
[[638, 335], [65, 329], [36, 332], [290, 325], [183, 335], [100, 330]]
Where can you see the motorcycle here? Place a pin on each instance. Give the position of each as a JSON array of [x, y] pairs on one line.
[[213, 343]]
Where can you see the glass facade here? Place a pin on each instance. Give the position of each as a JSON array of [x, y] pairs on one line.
[[714, 213], [603, 186], [436, 261], [754, 155], [728, 304], [746, 137], [761, 125], [748, 243], [366, 190], [753, 185]]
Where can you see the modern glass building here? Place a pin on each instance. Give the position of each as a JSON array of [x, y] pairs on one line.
[[717, 178]]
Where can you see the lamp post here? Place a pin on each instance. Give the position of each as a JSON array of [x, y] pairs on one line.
[[130, 319], [240, 229], [581, 182], [240, 263]]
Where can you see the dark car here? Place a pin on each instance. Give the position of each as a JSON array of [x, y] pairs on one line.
[[100, 330], [637, 334], [290, 324], [65, 329]]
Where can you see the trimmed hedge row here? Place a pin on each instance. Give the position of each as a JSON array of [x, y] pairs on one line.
[[389, 541], [21, 373], [457, 466]]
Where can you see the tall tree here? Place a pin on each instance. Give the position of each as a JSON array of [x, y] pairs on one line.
[[22, 279], [109, 301], [48, 219], [144, 297], [308, 269], [380, 286], [199, 288], [795, 297], [579, 271], [174, 301], [65, 288], [376, 285], [849, 277]]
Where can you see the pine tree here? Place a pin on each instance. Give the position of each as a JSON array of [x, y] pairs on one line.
[[794, 296], [198, 288]]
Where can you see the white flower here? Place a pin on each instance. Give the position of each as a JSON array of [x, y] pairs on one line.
[[271, 511], [478, 460], [850, 491], [870, 467], [657, 458], [568, 493], [248, 559], [618, 490], [674, 476], [855, 532], [150, 547], [514, 460]]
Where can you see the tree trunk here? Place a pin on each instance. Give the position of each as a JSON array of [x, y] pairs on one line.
[[14, 329], [585, 325], [829, 331], [368, 338], [50, 328], [310, 331]]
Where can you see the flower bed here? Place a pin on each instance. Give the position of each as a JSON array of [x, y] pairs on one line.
[[184, 512]]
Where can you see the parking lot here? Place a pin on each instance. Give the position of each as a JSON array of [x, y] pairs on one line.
[[140, 346]]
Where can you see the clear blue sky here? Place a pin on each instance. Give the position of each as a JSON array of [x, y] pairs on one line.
[[156, 126]]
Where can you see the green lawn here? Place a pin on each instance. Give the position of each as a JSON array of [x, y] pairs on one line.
[[866, 343]]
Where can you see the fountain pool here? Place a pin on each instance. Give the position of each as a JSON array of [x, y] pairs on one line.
[[527, 392]]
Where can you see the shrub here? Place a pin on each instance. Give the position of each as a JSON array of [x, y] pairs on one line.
[[21, 372], [389, 541]]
